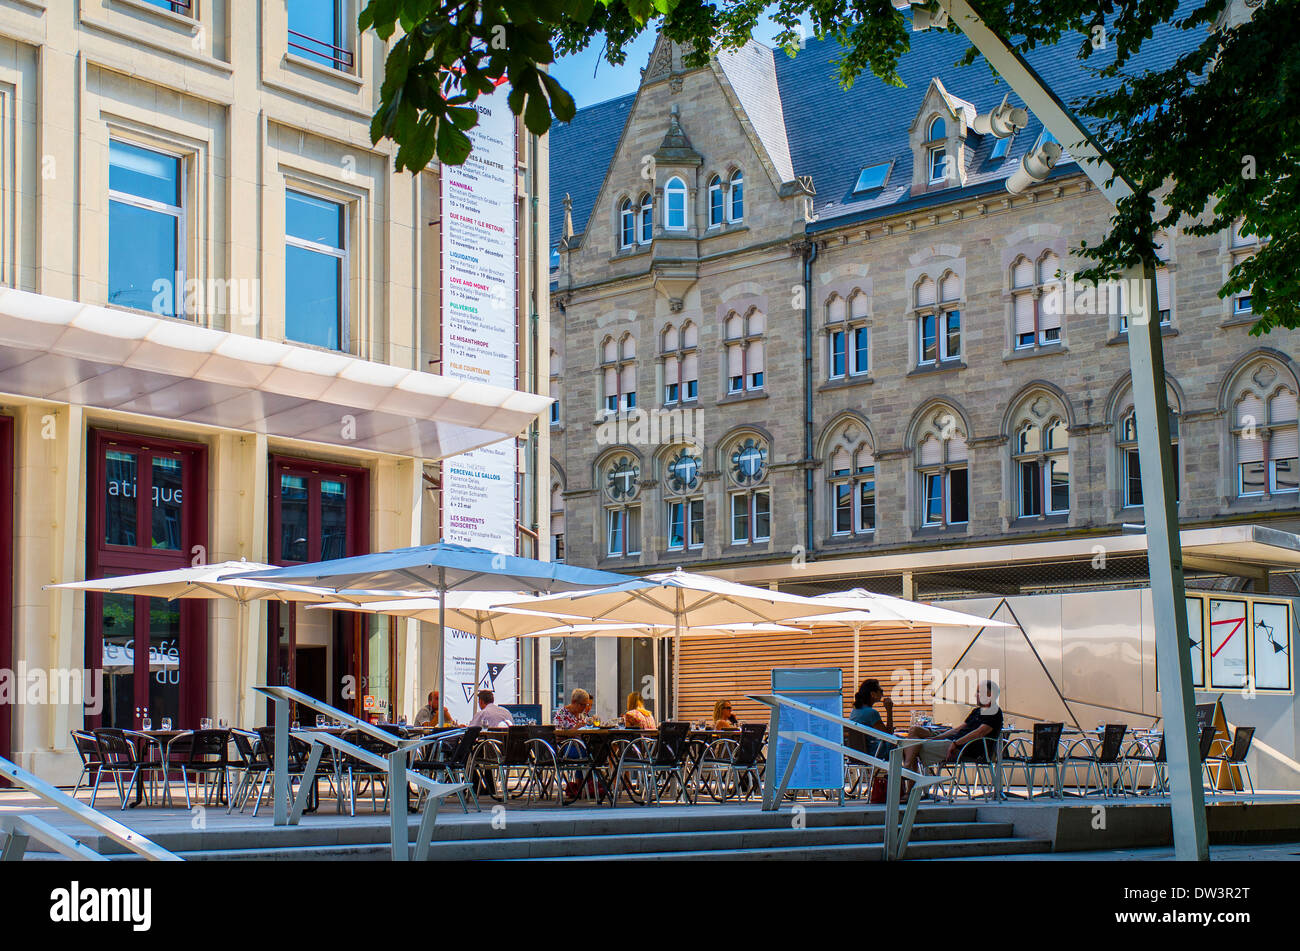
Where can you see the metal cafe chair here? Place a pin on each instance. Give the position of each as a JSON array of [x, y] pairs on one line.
[[298, 751], [251, 766], [91, 760], [1140, 754], [1044, 754], [498, 765], [978, 757], [120, 756], [355, 769], [1235, 757], [733, 767], [542, 746], [649, 760], [209, 757], [1107, 761], [449, 761], [585, 763]]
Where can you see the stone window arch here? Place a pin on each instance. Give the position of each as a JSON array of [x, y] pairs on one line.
[[1262, 421], [745, 460], [851, 481], [620, 486], [942, 469], [1040, 456], [683, 490]]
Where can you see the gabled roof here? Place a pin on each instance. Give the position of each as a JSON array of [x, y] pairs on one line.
[[809, 126]]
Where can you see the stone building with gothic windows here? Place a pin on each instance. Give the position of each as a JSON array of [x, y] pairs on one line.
[[797, 328]]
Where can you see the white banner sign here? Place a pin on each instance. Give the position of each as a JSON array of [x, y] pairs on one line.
[[479, 341]]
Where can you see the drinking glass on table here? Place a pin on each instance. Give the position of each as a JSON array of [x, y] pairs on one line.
[[166, 723], [205, 723], [223, 723], [320, 721], [146, 725]]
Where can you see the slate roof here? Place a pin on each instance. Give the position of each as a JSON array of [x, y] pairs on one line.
[[833, 133]]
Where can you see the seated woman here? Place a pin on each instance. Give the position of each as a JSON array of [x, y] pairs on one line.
[[723, 718], [637, 716], [864, 701], [573, 714]]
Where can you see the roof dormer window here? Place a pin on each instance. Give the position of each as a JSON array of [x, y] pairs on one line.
[[938, 154]]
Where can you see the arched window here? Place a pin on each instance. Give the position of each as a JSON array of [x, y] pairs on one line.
[[737, 196], [647, 218], [675, 205], [557, 519], [618, 363], [848, 336], [750, 501], [938, 322], [621, 478], [1037, 302], [745, 351], [1264, 431], [1129, 461], [684, 499], [627, 224], [851, 477], [1040, 452], [941, 467], [681, 361], [715, 201], [937, 155]]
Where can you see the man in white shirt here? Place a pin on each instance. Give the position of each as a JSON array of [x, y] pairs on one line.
[[490, 714]]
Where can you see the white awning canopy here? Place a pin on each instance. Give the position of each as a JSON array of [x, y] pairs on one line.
[[92, 356]]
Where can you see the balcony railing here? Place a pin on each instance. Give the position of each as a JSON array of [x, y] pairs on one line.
[[317, 49]]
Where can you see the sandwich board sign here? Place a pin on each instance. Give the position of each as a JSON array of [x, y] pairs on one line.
[[820, 687]]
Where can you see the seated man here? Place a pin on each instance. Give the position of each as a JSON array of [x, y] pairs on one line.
[[428, 715], [982, 725], [490, 714]]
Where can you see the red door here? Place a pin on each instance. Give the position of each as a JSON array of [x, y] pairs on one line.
[[148, 512]]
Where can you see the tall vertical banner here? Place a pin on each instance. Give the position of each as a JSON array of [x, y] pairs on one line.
[[479, 342]]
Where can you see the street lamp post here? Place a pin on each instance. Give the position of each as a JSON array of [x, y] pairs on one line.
[[1146, 360]]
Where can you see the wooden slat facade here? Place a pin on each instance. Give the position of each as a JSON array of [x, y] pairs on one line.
[[713, 668]]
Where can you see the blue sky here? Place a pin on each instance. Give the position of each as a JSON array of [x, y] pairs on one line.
[[591, 80]]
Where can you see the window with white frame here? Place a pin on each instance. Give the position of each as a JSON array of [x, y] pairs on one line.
[[675, 211], [1242, 246], [717, 207], [557, 369], [679, 347], [627, 223], [1164, 304], [746, 358], [315, 271], [618, 366], [736, 211], [557, 522], [319, 31], [937, 151], [622, 487], [1037, 301], [749, 501], [938, 320], [942, 473], [848, 336], [1264, 433], [684, 502], [851, 475], [1130, 461], [146, 229], [647, 222], [1041, 455]]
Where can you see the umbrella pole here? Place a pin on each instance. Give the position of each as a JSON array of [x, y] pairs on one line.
[[442, 643], [241, 633], [857, 630], [677, 642], [478, 643]]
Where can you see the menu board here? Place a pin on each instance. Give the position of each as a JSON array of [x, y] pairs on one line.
[[479, 342], [819, 687]]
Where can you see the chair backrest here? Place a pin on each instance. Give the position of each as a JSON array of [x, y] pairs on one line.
[[514, 752], [1208, 734], [1241, 743], [87, 748], [244, 746], [672, 748], [751, 743], [209, 746], [458, 756], [980, 751], [1047, 742], [852, 738], [114, 748], [546, 733], [1112, 742], [296, 747]]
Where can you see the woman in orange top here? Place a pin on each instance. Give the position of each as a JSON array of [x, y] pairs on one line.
[[637, 716]]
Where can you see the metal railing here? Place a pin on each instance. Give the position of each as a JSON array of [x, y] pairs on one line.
[[19, 829], [310, 46], [288, 809], [897, 830]]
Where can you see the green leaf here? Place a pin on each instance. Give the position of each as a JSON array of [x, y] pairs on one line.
[[562, 103], [453, 145]]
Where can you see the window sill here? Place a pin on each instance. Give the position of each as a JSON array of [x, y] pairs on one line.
[[848, 541], [602, 418], [942, 367], [941, 531], [740, 548], [301, 62], [625, 253], [1240, 320], [742, 397], [841, 383], [717, 231], [1166, 330], [1041, 521], [1263, 503], [1042, 350], [682, 404]]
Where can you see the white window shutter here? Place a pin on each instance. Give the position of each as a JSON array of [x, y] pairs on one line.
[[629, 347], [735, 360], [610, 353], [757, 322], [756, 363], [1024, 314], [1250, 449], [835, 313], [1282, 407], [931, 451], [839, 461], [1022, 274], [629, 378], [690, 335], [1162, 288], [671, 370], [1050, 305], [859, 308], [691, 368], [925, 293], [957, 448], [734, 327], [1285, 444], [1250, 411], [611, 381], [950, 289], [1048, 267]]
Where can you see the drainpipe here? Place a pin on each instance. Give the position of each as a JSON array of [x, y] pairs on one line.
[[809, 256]]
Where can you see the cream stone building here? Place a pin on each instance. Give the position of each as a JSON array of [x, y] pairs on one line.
[[804, 334], [221, 325]]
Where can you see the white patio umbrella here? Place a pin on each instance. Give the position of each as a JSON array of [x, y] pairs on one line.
[[863, 610], [220, 580], [681, 600]]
